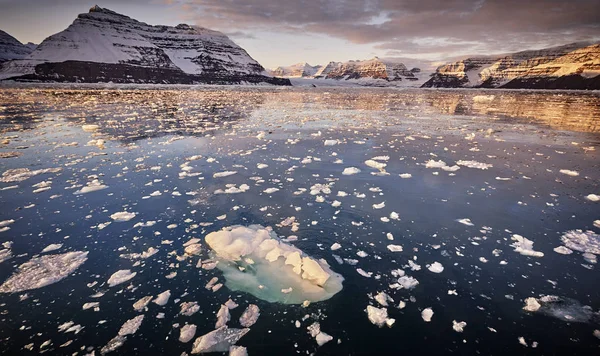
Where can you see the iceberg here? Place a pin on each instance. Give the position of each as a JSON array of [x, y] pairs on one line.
[[255, 261]]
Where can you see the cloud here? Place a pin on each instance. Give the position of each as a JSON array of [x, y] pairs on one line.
[[482, 25]]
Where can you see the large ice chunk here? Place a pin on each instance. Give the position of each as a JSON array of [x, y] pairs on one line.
[[218, 340], [42, 271], [255, 261]]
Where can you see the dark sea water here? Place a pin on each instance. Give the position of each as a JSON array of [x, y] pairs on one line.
[[152, 136]]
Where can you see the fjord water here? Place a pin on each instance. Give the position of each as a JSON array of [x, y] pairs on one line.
[[162, 147]]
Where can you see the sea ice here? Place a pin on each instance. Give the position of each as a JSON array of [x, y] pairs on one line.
[[219, 340], [474, 164], [458, 326], [254, 260], [394, 248], [42, 271], [187, 332], [436, 267], [465, 222], [569, 172], [524, 246], [350, 171], [224, 174], [426, 314], [120, 276], [51, 247], [250, 316], [162, 298], [578, 240], [223, 317], [593, 197], [122, 216], [379, 316], [131, 326]]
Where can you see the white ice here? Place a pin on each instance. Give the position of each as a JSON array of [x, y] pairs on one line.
[[120, 276]]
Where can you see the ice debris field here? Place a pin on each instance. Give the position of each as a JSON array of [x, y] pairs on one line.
[[284, 221]]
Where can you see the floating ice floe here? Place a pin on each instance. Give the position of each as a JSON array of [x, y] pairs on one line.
[[569, 172], [565, 309], [122, 216], [162, 298], [320, 337], [254, 260], [377, 165], [233, 189], [90, 128], [474, 164], [142, 303], [21, 174], [187, 332], [131, 326], [394, 248], [92, 186], [330, 142], [222, 316], [120, 276], [271, 190], [458, 326], [224, 174], [348, 171], [593, 197], [52, 247], [465, 222], [250, 316], [405, 175], [582, 241], [189, 308], [426, 314], [436, 267], [379, 316], [524, 246], [42, 271], [219, 340]]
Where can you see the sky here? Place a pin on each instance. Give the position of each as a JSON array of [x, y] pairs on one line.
[[282, 32]]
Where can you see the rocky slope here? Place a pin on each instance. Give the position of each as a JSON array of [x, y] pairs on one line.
[[11, 48], [103, 46], [572, 66]]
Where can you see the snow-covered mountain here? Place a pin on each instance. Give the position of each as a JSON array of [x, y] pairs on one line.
[[572, 66], [299, 70], [372, 72], [11, 48], [103, 45]]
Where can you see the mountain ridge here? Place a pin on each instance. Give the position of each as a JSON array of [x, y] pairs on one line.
[[105, 46]]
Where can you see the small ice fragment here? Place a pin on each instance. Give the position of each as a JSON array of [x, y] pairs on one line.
[[394, 248], [426, 314], [249, 316], [238, 351], [223, 316], [407, 282], [162, 298], [531, 305], [524, 246], [379, 206], [569, 172], [436, 267], [382, 298], [189, 308], [120, 276], [141, 304], [379, 316], [52, 247], [350, 171], [465, 222], [335, 246], [458, 326], [271, 190], [262, 166], [122, 216], [224, 174], [405, 175], [330, 142], [593, 197], [563, 250]]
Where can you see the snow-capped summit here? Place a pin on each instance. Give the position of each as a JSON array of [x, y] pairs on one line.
[[299, 70], [11, 48], [103, 45]]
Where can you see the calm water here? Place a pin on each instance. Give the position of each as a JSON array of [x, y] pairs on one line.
[[147, 163]]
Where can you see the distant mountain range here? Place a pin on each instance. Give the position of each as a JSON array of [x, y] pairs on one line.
[[104, 46], [572, 66]]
